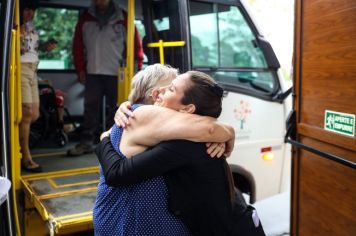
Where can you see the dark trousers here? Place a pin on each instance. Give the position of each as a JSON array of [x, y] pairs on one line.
[[96, 87]]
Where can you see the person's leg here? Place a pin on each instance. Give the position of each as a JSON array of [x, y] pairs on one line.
[[93, 95], [94, 92], [30, 113], [25, 124], [111, 99], [35, 97]]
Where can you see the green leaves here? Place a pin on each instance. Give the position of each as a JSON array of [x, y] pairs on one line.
[[58, 24]]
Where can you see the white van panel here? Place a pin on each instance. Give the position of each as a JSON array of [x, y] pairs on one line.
[[258, 124]]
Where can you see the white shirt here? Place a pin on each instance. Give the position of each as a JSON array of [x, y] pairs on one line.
[[29, 43]]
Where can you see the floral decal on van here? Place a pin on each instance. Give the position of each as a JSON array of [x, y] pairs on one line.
[[242, 112]]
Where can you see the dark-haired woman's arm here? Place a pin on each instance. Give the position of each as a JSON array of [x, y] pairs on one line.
[[153, 162]]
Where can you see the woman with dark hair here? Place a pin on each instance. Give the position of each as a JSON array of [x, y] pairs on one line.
[[200, 188]]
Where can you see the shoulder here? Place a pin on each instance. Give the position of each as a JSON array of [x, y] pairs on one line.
[[146, 111], [142, 111], [86, 16]]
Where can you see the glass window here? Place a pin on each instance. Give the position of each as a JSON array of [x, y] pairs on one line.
[[162, 24], [58, 24], [260, 81], [237, 42], [163, 21], [140, 28], [223, 43], [227, 42], [204, 40]]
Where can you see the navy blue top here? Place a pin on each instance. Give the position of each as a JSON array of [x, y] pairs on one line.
[[139, 209]]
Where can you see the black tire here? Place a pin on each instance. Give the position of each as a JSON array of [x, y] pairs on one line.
[[239, 196], [244, 181]]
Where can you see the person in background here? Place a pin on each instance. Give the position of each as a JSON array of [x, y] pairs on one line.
[[30, 45], [99, 47]]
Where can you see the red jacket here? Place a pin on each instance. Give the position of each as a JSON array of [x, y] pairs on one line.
[[102, 49]]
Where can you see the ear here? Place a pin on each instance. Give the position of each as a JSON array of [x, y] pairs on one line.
[[188, 109], [154, 94]]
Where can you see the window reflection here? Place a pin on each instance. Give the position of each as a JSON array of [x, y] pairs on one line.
[[223, 41], [237, 47], [203, 27]]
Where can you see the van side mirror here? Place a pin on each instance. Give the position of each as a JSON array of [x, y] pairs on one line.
[[279, 97], [267, 50]]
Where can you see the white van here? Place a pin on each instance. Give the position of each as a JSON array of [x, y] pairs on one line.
[[235, 53]]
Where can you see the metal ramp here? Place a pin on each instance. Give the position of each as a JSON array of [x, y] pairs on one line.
[[64, 199]]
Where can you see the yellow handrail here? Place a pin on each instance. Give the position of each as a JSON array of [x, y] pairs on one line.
[[125, 74], [15, 112], [130, 44], [160, 45], [15, 118]]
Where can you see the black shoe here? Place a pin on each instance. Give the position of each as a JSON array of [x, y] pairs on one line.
[[80, 149]]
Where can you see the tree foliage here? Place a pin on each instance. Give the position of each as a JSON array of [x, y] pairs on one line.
[[58, 24]]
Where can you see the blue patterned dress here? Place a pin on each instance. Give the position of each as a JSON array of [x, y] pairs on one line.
[[140, 209]]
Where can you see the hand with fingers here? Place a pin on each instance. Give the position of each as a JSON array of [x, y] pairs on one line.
[[82, 77], [105, 134], [215, 149], [123, 115], [229, 146]]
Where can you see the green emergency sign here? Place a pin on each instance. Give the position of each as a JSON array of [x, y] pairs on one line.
[[339, 122]]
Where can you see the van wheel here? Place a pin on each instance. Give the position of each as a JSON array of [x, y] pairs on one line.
[[244, 182], [239, 197]]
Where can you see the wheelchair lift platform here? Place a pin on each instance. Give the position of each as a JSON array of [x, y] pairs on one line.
[[64, 199]]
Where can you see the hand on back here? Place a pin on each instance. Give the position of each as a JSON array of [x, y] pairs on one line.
[[216, 149], [123, 114]]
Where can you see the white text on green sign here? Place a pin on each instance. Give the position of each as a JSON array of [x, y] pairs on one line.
[[339, 122]]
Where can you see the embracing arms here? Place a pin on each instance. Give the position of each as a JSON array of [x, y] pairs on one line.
[[154, 162], [153, 124]]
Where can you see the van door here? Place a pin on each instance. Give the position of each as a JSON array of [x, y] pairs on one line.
[[324, 176], [163, 20], [233, 52], [9, 224], [222, 40]]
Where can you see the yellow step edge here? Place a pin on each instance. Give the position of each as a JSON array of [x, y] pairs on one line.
[[61, 173], [66, 193], [55, 185]]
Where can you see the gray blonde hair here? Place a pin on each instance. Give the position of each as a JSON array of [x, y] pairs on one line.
[[146, 80]]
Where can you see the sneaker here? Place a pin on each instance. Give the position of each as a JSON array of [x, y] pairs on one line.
[[80, 149]]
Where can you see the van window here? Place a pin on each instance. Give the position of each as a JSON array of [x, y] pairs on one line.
[[163, 22], [236, 40], [204, 40], [228, 48], [140, 28], [58, 24], [227, 42]]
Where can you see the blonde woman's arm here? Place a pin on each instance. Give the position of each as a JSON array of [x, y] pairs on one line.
[[153, 124]]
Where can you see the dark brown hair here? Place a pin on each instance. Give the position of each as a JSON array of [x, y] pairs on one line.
[[204, 93]]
